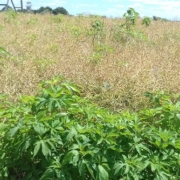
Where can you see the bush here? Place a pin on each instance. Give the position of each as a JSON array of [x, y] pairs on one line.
[[127, 31], [59, 135]]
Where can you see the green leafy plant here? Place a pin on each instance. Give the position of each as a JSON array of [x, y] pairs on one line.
[[127, 31], [96, 32], [164, 108], [146, 21], [57, 134], [131, 17]]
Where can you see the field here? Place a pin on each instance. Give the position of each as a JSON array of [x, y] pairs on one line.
[[111, 71], [89, 98]]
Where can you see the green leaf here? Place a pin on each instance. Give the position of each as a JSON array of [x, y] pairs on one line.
[[48, 174], [90, 170], [68, 159], [45, 149], [117, 167], [72, 133], [102, 173], [29, 176], [100, 140], [36, 148], [71, 87], [14, 130], [40, 129], [81, 168], [27, 143], [178, 116]]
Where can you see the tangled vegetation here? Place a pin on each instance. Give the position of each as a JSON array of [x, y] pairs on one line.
[[121, 121], [114, 66]]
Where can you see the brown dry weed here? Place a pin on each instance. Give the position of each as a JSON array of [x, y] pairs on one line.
[[44, 46]]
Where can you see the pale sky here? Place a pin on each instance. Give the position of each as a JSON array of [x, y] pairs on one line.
[[116, 8]]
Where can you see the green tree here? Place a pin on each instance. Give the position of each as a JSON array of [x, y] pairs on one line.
[[41, 9], [60, 10]]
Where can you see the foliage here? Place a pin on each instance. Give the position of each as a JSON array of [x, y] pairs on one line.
[[64, 44], [47, 9], [131, 17], [127, 31], [96, 32], [146, 21], [59, 135], [165, 111], [60, 10], [43, 9]]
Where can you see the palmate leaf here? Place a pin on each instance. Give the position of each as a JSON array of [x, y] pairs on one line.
[[44, 146], [68, 159], [71, 87], [36, 148], [102, 173], [117, 167], [81, 168], [90, 170], [40, 129], [162, 175], [45, 149], [140, 147], [48, 174], [71, 134], [14, 130]]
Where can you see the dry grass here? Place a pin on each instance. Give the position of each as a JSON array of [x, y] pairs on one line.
[[43, 46]]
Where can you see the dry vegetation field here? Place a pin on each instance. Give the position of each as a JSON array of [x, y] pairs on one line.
[[112, 73]]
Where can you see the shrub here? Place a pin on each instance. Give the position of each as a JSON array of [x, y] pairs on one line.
[[59, 135], [128, 31]]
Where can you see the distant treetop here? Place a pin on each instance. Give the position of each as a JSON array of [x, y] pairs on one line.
[[58, 10]]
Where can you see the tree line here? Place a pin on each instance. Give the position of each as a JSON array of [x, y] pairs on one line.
[[42, 10], [58, 10]]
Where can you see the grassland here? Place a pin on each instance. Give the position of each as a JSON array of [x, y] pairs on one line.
[[110, 71]]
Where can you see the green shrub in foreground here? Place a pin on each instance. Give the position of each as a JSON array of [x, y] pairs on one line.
[[59, 135]]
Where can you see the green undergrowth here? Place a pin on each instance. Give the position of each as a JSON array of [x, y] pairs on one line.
[[57, 134]]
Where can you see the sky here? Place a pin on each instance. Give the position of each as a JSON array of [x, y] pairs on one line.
[[169, 9]]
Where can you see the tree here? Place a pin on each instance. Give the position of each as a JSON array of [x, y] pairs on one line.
[[44, 10], [60, 10], [41, 9]]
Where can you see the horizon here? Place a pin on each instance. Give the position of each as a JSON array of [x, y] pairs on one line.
[[168, 9]]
